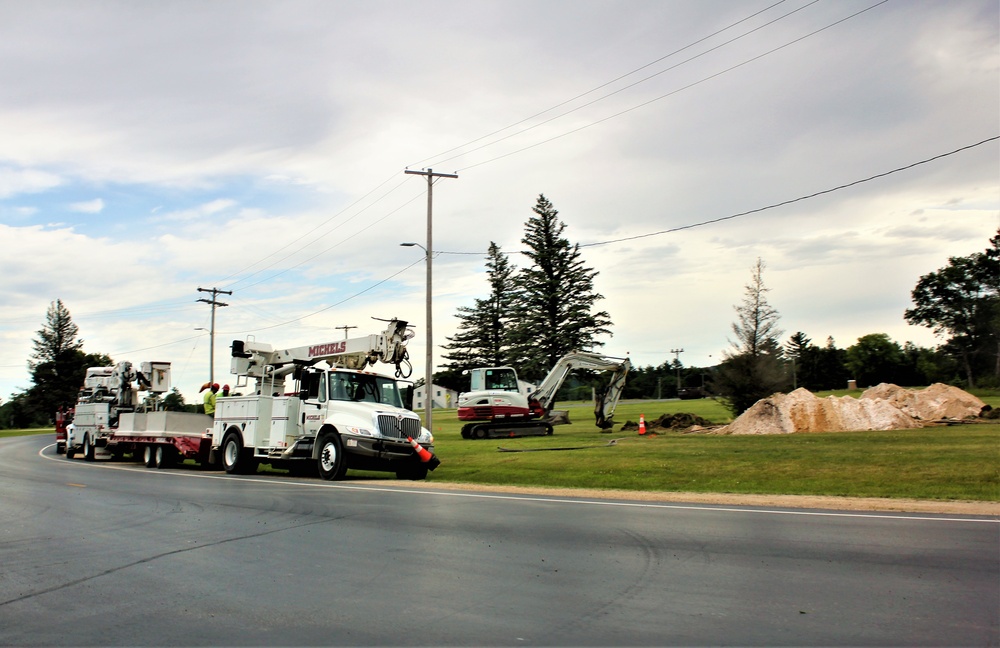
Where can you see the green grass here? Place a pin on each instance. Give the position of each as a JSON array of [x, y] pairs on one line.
[[954, 463], [960, 462], [33, 431]]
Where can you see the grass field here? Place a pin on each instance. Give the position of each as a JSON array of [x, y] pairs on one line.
[[960, 462], [952, 462]]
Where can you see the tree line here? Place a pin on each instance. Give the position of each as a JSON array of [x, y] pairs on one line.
[[536, 314]]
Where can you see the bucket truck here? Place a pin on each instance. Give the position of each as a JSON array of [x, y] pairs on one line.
[[495, 406], [110, 420], [336, 416]]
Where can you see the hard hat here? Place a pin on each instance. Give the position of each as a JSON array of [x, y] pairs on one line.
[[215, 385], [225, 387]]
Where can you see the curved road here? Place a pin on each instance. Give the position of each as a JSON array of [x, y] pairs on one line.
[[116, 554]]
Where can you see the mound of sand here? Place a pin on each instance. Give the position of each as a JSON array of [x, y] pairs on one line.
[[934, 403], [803, 411]]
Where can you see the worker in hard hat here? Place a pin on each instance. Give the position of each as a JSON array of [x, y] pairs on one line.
[[210, 399], [225, 390]]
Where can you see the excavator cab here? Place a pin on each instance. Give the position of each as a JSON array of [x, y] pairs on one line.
[[493, 379]]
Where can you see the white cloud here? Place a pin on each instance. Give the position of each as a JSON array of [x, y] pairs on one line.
[[95, 206], [16, 181]]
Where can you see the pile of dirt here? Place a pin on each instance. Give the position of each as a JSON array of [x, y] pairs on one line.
[[886, 407], [937, 402], [678, 421]]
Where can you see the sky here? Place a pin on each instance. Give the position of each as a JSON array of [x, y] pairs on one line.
[[152, 149]]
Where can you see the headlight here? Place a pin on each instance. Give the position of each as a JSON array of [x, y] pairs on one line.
[[360, 431]]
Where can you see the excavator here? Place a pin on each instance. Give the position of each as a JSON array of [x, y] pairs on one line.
[[494, 407]]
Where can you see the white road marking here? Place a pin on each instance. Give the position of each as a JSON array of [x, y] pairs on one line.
[[276, 480]]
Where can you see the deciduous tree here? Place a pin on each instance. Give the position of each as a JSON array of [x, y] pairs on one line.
[[962, 302]]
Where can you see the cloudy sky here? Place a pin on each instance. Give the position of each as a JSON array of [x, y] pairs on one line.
[[149, 149]]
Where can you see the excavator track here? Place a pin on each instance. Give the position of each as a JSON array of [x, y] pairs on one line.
[[506, 430]]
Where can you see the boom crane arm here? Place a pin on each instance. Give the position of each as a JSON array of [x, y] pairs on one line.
[[257, 360], [607, 399]]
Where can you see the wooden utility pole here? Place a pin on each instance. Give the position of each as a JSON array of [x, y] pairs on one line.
[[211, 334], [345, 329], [429, 369], [677, 359]]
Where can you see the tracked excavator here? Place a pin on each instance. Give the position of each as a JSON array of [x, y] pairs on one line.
[[494, 407]]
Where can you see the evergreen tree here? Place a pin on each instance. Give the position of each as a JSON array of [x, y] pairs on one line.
[[481, 340], [58, 366], [797, 350], [554, 309], [754, 368]]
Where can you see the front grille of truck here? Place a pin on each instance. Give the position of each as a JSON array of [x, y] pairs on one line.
[[391, 427]]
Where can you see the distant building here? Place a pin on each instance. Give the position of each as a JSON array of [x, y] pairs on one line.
[[440, 397]]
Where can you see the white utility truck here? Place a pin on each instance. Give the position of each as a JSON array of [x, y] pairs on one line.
[[335, 417], [110, 420], [497, 408]]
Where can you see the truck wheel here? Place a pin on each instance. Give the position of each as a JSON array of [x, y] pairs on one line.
[[149, 456], [332, 463], [163, 457], [235, 459], [70, 452], [88, 448]]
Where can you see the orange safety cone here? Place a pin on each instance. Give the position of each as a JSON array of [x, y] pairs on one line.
[[642, 425], [425, 455]]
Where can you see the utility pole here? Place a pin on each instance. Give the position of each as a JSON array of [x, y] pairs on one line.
[[429, 368], [345, 329], [677, 360], [211, 334]]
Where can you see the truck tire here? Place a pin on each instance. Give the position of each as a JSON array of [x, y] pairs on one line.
[[88, 448], [235, 460], [331, 462], [149, 456], [70, 452]]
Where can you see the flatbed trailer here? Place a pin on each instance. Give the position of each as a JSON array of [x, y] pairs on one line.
[[157, 439]]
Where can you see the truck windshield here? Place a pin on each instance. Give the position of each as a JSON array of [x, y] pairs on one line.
[[364, 387]]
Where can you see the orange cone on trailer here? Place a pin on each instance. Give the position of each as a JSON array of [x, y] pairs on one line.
[[642, 425], [425, 455]]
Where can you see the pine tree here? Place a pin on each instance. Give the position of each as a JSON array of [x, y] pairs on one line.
[[58, 365], [754, 368], [555, 298], [481, 340]]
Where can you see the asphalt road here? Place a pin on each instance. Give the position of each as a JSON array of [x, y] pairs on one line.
[[116, 554]]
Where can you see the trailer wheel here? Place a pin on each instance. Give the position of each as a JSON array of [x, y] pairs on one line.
[[332, 463], [149, 456], [163, 457], [70, 452], [88, 448], [235, 459]]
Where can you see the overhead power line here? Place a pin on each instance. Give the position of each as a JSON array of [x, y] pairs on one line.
[[672, 92], [793, 200], [595, 89]]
